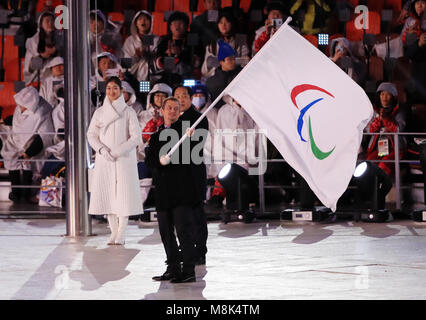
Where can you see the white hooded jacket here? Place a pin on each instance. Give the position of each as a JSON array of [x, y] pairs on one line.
[[36, 119], [134, 42], [31, 46]]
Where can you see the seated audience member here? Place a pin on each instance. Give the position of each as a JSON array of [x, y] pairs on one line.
[[342, 55], [226, 32], [57, 149], [135, 47], [416, 51], [56, 80], [311, 15], [388, 117], [43, 46], [276, 14], [130, 98], [415, 22], [225, 73], [174, 46], [32, 116], [205, 24]]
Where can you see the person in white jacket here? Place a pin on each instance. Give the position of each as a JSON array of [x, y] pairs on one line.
[[41, 45], [114, 133], [142, 54], [56, 80], [27, 139]]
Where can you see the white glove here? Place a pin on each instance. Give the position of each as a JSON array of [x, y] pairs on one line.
[[105, 152]]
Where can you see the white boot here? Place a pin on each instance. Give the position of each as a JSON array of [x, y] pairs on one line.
[[122, 225], [113, 224]]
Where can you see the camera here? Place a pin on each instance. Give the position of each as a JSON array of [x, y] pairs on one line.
[[277, 23]]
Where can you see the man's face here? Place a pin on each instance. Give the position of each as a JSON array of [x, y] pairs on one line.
[[275, 14], [184, 98], [143, 23], [212, 4], [58, 70], [126, 96], [228, 64], [159, 97], [170, 112], [99, 23], [385, 98], [178, 29]]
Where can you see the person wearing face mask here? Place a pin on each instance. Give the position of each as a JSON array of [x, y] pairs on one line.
[[42, 45], [48, 86], [26, 140], [134, 47], [114, 133], [388, 117]]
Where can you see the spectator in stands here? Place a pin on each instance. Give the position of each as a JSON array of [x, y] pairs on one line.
[[175, 46], [26, 140], [311, 15], [205, 24], [225, 73], [416, 51], [388, 117], [57, 149], [41, 46], [226, 32], [341, 54], [114, 134], [276, 12], [414, 23], [55, 80], [135, 48], [97, 29], [150, 120], [130, 98]]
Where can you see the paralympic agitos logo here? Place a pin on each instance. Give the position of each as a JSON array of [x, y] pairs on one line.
[[319, 154]]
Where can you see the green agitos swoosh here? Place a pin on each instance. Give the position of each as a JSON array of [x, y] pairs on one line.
[[315, 150]]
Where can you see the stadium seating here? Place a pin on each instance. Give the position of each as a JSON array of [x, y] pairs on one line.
[[354, 34]]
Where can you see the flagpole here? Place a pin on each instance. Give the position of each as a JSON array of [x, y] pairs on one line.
[[165, 159]]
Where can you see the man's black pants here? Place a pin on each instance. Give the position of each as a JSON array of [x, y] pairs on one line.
[[181, 218], [201, 234]]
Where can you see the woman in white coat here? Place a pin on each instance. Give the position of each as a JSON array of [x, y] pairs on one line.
[[134, 48], [41, 45], [114, 133], [26, 140]]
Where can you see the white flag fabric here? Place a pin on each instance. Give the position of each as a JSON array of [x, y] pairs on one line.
[[312, 111]]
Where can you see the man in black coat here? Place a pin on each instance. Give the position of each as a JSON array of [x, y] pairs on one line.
[[175, 193], [199, 172]]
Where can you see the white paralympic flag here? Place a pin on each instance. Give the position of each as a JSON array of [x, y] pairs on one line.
[[312, 111]]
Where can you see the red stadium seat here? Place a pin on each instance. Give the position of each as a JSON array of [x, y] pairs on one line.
[[226, 3], [354, 34], [7, 102], [176, 5], [41, 5], [402, 70], [160, 26], [312, 39], [376, 68], [11, 62], [375, 5], [395, 5], [245, 5], [354, 3], [116, 17]]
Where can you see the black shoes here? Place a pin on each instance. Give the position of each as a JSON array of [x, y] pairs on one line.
[[184, 278], [166, 276]]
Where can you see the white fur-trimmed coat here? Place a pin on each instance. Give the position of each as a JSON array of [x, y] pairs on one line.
[[115, 185]]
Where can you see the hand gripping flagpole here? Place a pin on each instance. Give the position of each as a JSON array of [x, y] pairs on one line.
[[165, 159]]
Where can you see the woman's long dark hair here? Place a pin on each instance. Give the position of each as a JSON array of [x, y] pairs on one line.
[[230, 17], [116, 80], [45, 39]]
